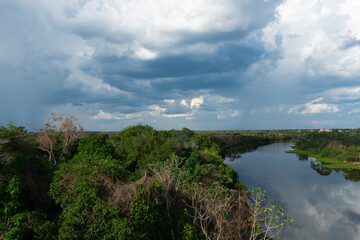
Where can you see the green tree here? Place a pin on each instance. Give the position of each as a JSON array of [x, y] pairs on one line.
[[84, 187], [266, 221], [147, 219]]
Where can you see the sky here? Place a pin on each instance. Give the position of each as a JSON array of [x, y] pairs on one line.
[[204, 65]]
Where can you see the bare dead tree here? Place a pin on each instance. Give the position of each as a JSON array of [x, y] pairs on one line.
[[201, 219], [219, 213], [58, 130], [170, 175]]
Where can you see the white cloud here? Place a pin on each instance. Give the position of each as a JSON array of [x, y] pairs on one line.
[[223, 107], [150, 17], [116, 116], [156, 110], [191, 110], [152, 111], [226, 99], [356, 110], [91, 85], [189, 115], [319, 108], [146, 29], [219, 104], [236, 113], [144, 54], [310, 35], [183, 102], [313, 107], [196, 102], [227, 113], [268, 109], [169, 101], [343, 93]]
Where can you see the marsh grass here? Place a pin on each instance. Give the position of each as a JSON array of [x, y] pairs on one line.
[[331, 163]]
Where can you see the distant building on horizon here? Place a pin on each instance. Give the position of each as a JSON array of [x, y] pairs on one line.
[[325, 130]]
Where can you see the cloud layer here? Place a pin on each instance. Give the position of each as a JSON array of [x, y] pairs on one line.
[[204, 64]]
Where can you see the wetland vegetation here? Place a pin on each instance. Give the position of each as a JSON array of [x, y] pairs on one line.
[[337, 149]]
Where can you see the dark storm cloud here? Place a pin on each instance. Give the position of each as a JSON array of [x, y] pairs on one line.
[[235, 62], [25, 94], [181, 72], [52, 74], [227, 59]]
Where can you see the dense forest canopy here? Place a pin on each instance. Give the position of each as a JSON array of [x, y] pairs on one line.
[[137, 184]]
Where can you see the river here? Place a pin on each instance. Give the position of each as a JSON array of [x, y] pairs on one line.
[[323, 203]]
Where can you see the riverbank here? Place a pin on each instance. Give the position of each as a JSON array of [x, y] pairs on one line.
[[293, 183], [326, 162], [245, 141]]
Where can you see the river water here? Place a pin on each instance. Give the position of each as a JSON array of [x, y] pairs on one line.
[[323, 203]]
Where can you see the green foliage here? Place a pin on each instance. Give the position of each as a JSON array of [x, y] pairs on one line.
[[15, 224], [44, 229], [211, 155], [187, 133], [30, 225], [267, 220], [20, 158], [139, 145], [196, 169], [148, 219], [100, 188], [207, 164], [339, 146], [186, 229], [204, 141], [82, 187], [15, 150], [331, 151], [313, 140], [10, 199], [96, 144], [11, 131], [188, 232], [191, 164], [229, 177]]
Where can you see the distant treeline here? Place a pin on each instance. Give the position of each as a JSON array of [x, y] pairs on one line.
[[245, 141], [339, 145], [137, 184]]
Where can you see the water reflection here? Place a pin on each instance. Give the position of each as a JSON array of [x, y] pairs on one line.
[[324, 205], [352, 174], [233, 156], [302, 157], [349, 174], [319, 169]]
